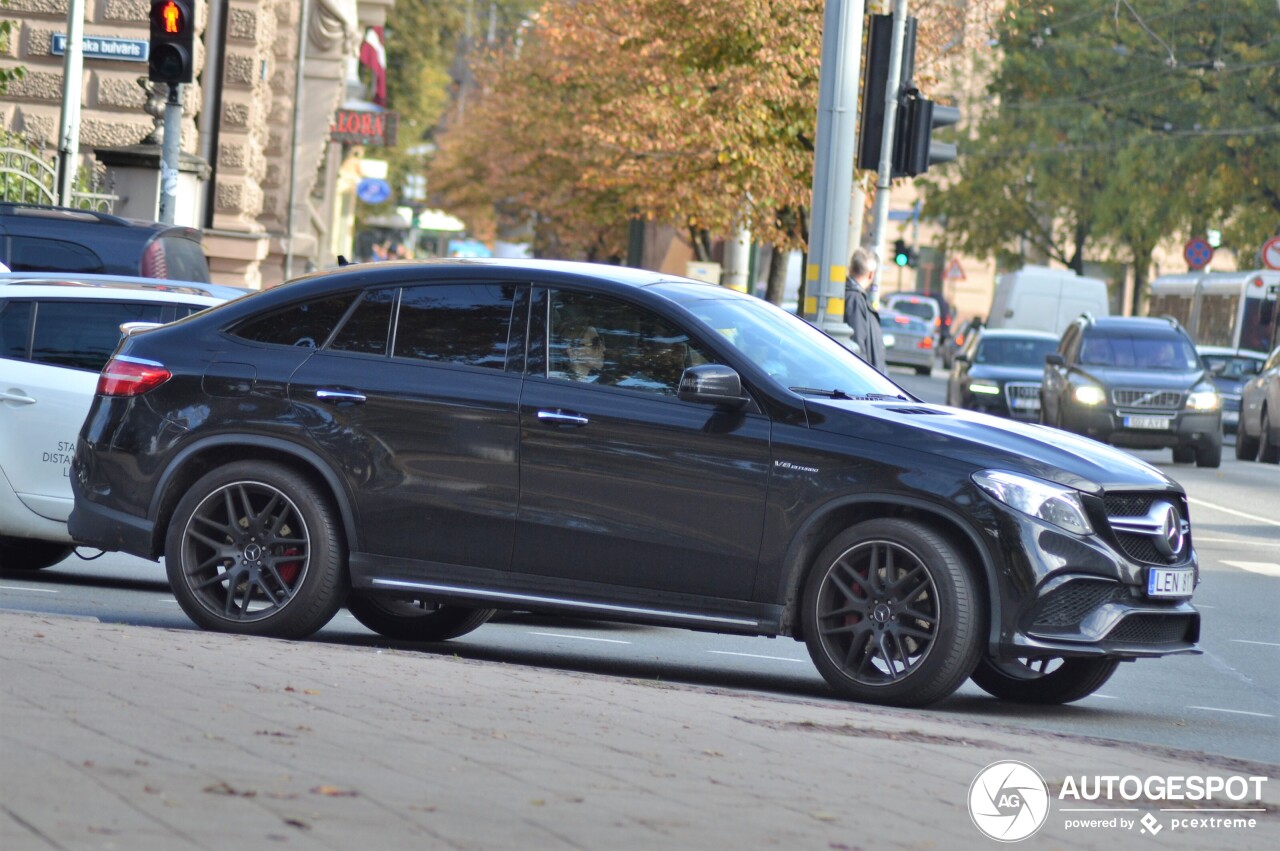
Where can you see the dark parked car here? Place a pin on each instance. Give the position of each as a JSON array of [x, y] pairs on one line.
[[1136, 382], [999, 372], [431, 441], [35, 238], [1230, 369], [1258, 436]]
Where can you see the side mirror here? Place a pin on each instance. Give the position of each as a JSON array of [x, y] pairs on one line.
[[1055, 359], [962, 358], [712, 384]]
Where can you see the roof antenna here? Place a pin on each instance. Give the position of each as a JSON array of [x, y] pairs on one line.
[[342, 261]]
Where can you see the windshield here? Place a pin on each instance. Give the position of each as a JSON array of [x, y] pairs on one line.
[[1139, 353], [791, 350], [1014, 351]]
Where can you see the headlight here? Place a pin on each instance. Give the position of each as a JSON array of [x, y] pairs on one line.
[[984, 387], [1038, 498], [1090, 394], [1204, 399]]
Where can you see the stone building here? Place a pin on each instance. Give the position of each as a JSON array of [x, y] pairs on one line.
[[255, 129]]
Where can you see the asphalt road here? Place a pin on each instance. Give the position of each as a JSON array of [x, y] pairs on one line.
[[1226, 701]]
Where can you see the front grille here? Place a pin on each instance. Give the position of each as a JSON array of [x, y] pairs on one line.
[[1069, 604], [1164, 399], [1140, 548], [1127, 504], [1152, 629]]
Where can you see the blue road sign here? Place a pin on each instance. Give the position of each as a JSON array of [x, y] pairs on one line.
[[1198, 252]]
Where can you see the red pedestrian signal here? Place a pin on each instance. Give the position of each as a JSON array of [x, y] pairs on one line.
[[172, 39]]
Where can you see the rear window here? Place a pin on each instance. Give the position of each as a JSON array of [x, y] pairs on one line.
[[175, 258], [923, 308]]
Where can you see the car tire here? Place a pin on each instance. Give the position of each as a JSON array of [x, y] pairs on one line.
[[1184, 454], [253, 548], [890, 614], [1211, 455], [1032, 680], [1246, 446], [415, 620], [1268, 447], [26, 554]]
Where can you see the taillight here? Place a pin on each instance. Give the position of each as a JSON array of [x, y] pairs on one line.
[[925, 343], [125, 376], [154, 262]]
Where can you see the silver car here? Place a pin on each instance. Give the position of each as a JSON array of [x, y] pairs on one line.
[[1258, 435], [908, 341]]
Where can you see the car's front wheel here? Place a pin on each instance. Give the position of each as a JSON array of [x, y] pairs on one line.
[[1211, 455], [1045, 680], [254, 548], [1268, 447], [890, 614], [26, 554], [415, 620], [1246, 446]]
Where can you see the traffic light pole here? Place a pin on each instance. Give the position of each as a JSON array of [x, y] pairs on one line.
[[884, 179], [834, 148], [169, 152]]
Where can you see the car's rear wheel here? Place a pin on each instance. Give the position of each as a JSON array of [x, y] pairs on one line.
[[1268, 447], [26, 554], [1046, 680], [1246, 446], [890, 614], [1211, 455], [253, 548], [415, 620]]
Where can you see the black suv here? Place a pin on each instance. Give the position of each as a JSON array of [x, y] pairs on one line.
[[431, 441], [35, 238], [1136, 382]]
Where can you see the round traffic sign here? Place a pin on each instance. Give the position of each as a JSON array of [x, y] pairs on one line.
[[1271, 253], [1198, 252]]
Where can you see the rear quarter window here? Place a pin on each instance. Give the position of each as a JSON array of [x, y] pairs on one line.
[[306, 325], [39, 254]]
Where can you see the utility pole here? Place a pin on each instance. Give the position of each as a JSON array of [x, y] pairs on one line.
[[834, 148], [72, 85], [170, 150], [884, 178]]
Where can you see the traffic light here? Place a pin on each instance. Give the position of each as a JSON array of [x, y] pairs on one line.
[[874, 82], [902, 255], [172, 41], [913, 147]]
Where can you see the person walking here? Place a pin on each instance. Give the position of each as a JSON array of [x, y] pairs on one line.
[[858, 311]]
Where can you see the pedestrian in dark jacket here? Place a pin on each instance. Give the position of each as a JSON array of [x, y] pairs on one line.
[[858, 313]]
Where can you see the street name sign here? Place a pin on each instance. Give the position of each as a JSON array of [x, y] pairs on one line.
[[98, 47]]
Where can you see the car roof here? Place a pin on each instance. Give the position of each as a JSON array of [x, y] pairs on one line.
[[133, 284], [145, 289], [1227, 351], [1135, 325], [619, 274], [75, 215], [1017, 334]]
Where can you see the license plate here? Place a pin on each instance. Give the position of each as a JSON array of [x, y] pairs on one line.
[[888, 341], [1162, 582], [1162, 423], [1031, 403]]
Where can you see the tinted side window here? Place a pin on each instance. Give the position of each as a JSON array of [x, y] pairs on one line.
[[456, 323], [367, 327], [35, 254], [83, 334], [308, 324], [15, 329], [601, 340]]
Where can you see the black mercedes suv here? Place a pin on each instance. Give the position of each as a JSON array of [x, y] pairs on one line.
[[428, 442], [1136, 382]]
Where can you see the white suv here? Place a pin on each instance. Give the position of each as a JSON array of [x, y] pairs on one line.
[[56, 332]]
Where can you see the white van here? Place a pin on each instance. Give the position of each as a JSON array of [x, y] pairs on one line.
[[1037, 298]]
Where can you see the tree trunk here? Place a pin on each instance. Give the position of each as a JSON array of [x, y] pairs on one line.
[[776, 283], [1141, 272]]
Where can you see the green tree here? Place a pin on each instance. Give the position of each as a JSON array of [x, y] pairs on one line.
[[1111, 129]]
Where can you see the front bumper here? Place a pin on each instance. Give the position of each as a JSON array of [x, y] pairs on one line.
[[1130, 428]]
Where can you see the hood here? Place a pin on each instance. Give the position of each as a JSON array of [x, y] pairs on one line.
[[1004, 372], [1146, 379], [989, 442]]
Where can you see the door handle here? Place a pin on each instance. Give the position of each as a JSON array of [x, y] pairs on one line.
[[558, 417], [337, 397], [20, 398]]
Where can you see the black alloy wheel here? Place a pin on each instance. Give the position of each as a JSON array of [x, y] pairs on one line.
[[1045, 679], [890, 614], [253, 549], [25, 554], [415, 619]]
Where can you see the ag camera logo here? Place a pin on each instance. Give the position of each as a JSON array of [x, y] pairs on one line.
[[1008, 801]]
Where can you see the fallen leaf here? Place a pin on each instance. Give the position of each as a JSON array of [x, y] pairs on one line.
[[538, 802], [334, 792], [825, 816], [310, 691]]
